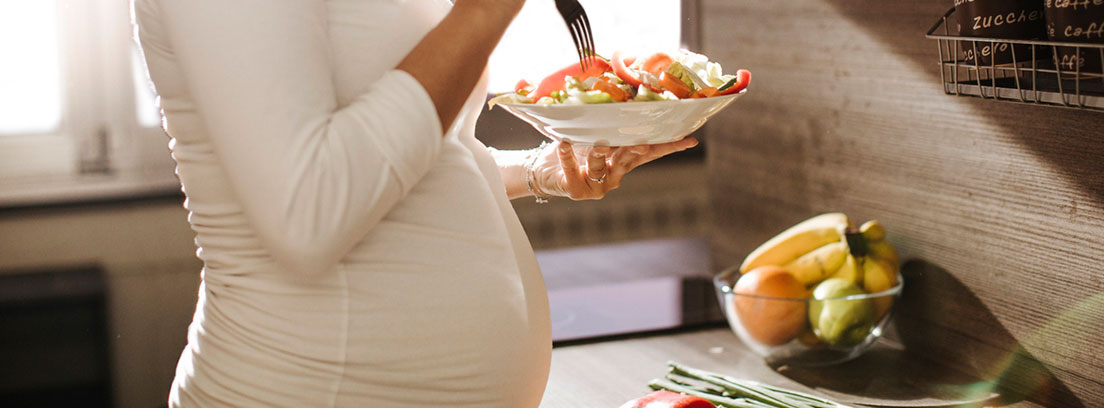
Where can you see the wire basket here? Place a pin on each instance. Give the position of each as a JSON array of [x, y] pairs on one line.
[[1032, 78]]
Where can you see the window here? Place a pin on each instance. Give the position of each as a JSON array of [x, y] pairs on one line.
[[31, 100], [77, 117]]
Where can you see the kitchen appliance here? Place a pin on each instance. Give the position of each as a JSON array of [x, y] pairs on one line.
[[628, 288]]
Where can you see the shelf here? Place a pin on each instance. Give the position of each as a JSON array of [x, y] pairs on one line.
[[1046, 92], [1032, 77]]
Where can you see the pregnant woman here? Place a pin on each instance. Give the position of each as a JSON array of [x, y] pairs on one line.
[[358, 242]]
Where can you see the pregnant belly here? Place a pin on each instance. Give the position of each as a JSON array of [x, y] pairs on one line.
[[448, 322], [447, 326]]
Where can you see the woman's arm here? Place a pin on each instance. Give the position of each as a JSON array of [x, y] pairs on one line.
[[511, 164], [313, 178], [463, 42], [561, 170]]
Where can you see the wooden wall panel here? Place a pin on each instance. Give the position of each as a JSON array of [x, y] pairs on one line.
[[999, 207]]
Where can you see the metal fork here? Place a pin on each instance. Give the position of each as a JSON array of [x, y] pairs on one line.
[[579, 26]]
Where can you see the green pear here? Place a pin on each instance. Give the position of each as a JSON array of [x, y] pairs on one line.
[[840, 322]]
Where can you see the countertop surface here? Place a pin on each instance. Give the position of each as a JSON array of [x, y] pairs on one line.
[[599, 372], [608, 373]]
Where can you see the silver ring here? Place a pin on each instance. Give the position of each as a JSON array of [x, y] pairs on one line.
[[597, 180]]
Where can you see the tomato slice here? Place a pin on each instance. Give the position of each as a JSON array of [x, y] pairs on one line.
[[595, 67], [704, 92], [675, 85], [668, 399], [616, 93], [620, 67]]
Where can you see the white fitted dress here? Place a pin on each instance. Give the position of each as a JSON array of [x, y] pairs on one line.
[[352, 255]]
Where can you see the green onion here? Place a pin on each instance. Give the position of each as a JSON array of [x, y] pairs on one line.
[[729, 392], [724, 402]]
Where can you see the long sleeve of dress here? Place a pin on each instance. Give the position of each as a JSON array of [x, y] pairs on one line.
[[313, 177]]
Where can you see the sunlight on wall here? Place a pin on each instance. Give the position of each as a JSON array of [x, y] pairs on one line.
[[146, 104]]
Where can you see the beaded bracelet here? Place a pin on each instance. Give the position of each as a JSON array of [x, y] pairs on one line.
[[530, 177]]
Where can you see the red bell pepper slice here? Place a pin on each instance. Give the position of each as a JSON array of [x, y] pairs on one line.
[[595, 67], [522, 84], [620, 67], [668, 399], [743, 78], [657, 63]]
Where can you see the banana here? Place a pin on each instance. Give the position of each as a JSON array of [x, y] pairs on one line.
[[884, 251], [879, 275], [873, 231], [797, 240], [852, 270], [819, 263]]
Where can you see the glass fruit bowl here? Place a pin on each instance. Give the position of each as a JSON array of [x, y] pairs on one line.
[[622, 123], [834, 323]]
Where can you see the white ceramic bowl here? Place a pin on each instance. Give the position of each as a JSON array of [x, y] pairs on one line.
[[621, 124]]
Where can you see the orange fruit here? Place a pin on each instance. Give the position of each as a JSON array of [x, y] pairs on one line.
[[766, 314]]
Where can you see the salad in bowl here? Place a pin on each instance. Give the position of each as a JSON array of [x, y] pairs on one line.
[[626, 100], [657, 77]]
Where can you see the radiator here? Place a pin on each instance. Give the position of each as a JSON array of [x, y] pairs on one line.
[[655, 201]]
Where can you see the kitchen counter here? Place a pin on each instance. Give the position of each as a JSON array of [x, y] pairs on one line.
[[598, 294], [607, 373]]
